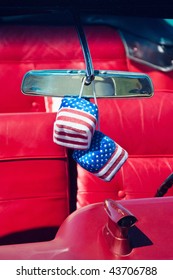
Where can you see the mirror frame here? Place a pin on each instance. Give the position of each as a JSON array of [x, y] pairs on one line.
[[45, 83]]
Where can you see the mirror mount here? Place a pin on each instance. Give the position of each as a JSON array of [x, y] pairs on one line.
[[85, 49], [59, 83]]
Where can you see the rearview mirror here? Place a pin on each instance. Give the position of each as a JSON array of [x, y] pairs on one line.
[[59, 83]]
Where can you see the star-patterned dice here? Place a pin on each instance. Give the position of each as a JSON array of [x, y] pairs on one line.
[[104, 157]]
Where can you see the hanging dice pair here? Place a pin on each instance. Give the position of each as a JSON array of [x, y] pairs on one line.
[[75, 127]]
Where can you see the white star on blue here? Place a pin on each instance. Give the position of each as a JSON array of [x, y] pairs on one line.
[[80, 104], [100, 151]]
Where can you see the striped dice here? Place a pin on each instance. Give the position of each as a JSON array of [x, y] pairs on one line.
[[75, 123]]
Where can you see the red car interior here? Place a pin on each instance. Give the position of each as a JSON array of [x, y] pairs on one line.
[[67, 245], [40, 183]]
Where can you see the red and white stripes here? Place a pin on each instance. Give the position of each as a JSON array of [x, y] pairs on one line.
[[112, 166], [74, 128]]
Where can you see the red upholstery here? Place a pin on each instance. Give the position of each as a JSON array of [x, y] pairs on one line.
[[33, 175], [15, 60], [107, 49], [143, 128]]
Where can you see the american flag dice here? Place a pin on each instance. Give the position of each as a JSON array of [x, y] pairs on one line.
[[75, 123], [104, 157]]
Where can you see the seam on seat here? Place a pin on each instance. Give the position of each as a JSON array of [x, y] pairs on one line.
[[24, 158], [62, 195]]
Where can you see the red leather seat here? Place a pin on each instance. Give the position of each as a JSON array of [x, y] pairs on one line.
[[34, 174], [34, 193], [15, 60], [143, 128]]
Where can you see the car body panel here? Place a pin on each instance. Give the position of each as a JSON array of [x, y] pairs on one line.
[[81, 235]]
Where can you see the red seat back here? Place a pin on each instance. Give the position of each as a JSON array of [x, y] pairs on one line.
[[34, 193]]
